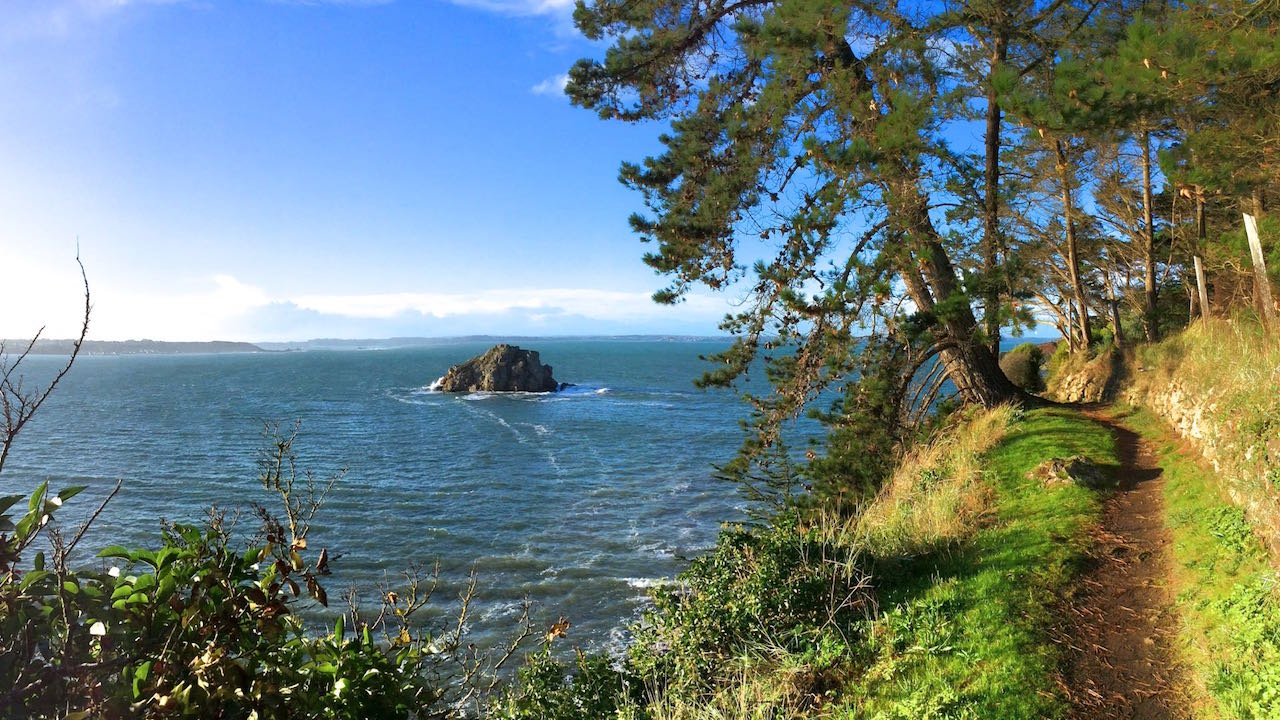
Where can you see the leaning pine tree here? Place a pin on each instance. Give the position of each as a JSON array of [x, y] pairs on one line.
[[811, 141]]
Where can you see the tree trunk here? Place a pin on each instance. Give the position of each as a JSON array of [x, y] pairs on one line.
[[1150, 321], [1073, 255], [1202, 287], [1262, 286], [931, 280], [1113, 304], [991, 205]]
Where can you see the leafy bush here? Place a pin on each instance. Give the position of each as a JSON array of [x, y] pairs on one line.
[[778, 583], [197, 628], [1022, 366], [545, 689]]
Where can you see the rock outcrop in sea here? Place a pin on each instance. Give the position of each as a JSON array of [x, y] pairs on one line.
[[503, 368]]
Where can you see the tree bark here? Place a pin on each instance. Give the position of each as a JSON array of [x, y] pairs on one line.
[[931, 280], [1262, 285], [1202, 287], [991, 205], [1150, 321], [1073, 254], [1113, 304]]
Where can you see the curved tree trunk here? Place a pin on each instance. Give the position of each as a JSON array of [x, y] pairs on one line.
[[931, 281]]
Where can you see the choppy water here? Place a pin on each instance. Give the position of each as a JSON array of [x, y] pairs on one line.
[[578, 500]]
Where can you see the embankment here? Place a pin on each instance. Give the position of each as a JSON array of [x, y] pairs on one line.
[[1218, 385]]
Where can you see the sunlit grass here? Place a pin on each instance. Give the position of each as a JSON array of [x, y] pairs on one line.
[[1227, 602], [977, 614], [1232, 368]]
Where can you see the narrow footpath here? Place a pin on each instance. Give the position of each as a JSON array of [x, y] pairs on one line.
[[1120, 626]]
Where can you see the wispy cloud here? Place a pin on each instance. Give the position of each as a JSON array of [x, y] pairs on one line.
[[40, 19], [223, 307], [523, 8], [347, 3], [552, 86]]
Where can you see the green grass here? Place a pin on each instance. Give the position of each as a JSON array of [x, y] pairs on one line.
[[1227, 600], [962, 632], [966, 561]]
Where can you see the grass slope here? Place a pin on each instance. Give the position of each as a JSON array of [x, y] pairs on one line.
[[1227, 599], [963, 634], [936, 602]]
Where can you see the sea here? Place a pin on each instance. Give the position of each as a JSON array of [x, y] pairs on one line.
[[579, 501]]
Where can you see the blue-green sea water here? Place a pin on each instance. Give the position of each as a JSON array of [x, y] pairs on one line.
[[578, 500]]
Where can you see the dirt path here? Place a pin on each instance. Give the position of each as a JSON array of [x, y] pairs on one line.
[[1120, 625]]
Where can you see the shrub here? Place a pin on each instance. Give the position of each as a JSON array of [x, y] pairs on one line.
[[197, 628], [779, 583], [1022, 366]]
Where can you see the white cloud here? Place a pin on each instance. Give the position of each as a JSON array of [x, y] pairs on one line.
[[586, 302], [221, 307], [552, 87], [60, 19], [521, 8]]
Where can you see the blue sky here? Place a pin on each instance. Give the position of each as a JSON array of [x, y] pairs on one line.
[[273, 170]]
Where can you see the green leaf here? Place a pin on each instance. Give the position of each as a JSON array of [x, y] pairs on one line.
[[338, 629], [37, 496], [165, 555], [143, 582], [71, 587], [26, 526], [140, 676], [7, 501], [114, 551], [32, 578], [68, 493], [39, 561], [167, 585]]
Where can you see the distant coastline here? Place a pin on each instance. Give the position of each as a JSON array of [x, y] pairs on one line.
[[133, 347], [164, 347]]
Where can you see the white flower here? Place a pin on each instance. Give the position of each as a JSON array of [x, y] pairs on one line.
[[98, 628], [114, 572], [55, 501]]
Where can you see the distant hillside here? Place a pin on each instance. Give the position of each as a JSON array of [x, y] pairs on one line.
[[407, 342], [133, 347]]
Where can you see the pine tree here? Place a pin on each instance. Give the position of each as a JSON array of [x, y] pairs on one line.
[[817, 140]]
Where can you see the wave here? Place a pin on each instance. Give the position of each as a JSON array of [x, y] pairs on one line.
[[646, 583]]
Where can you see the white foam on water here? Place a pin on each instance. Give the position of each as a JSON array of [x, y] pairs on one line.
[[646, 583]]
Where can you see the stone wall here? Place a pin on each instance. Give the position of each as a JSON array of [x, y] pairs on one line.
[[1243, 448]]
